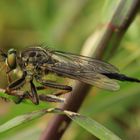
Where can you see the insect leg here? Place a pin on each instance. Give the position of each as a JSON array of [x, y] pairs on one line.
[[53, 84], [8, 76], [20, 99], [58, 93], [34, 97], [16, 84]]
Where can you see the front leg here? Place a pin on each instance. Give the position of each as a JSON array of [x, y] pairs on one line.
[[19, 83], [32, 96], [16, 85]]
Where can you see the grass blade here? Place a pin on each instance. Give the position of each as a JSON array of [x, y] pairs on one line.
[[87, 123]]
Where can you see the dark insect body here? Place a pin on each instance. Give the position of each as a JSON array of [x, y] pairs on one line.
[[36, 62]]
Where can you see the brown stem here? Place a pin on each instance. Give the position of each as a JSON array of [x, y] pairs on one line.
[[112, 36]]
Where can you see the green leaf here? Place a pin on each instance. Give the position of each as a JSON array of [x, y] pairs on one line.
[[88, 124], [24, 118], [92, 126]]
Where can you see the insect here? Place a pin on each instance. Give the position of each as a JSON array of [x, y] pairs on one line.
[[36, 62]]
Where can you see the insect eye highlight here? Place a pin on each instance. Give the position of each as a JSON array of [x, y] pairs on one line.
[[11, 59]]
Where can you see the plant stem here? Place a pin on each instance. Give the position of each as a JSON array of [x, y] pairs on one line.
[[112, 35]]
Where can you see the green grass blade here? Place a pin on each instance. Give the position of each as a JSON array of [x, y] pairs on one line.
[[24, 118], [88, 124], [92, 126]]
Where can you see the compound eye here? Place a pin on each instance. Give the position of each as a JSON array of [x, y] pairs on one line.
[[11, 59]]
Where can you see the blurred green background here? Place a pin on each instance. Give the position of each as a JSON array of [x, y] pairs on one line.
[[66, 25]]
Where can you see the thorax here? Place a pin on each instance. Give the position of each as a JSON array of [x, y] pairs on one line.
[[34, 61]]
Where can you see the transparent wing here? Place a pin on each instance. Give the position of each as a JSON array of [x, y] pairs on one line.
[[85, 69]]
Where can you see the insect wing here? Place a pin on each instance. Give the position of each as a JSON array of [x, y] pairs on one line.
[[85, 69]]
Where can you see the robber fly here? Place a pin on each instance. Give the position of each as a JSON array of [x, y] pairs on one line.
[[36, 62]]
